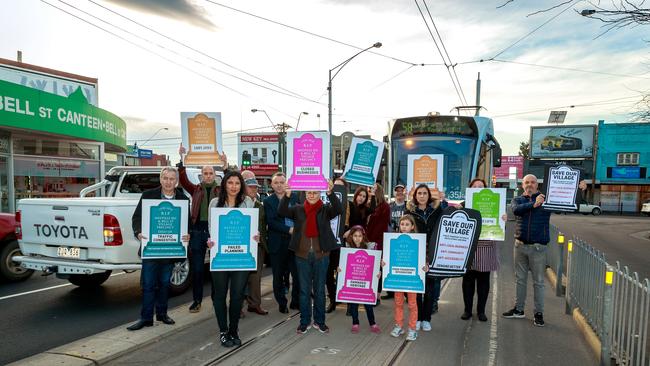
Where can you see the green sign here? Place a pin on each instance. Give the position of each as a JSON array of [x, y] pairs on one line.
[[490, 202], [32, 109]]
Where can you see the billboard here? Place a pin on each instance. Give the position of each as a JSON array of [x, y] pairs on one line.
[[508, 162], [263, 150], [562, 142]]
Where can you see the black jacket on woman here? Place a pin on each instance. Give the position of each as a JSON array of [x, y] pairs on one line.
[[424, 222], [326, 213]]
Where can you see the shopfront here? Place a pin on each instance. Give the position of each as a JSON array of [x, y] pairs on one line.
[[53, 145]]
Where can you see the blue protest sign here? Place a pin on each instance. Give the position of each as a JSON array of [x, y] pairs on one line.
[[233, 229], [404, 260], [164, 222], [363, 161]]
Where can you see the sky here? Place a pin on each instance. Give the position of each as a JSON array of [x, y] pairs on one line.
[[232, 56]]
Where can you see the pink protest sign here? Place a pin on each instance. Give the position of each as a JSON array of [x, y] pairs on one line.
[[358, 279], [308, 160]]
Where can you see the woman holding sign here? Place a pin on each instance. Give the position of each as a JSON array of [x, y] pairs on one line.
[[233, 194], [425, 209], [477, 277]]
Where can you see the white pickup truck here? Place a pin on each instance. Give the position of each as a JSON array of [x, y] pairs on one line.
[[85, 239]]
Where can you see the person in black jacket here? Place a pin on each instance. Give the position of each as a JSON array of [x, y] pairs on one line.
[[156, 273], [425, 208], [311, 242]]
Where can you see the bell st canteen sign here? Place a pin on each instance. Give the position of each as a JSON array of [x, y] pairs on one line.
[[32, 109]]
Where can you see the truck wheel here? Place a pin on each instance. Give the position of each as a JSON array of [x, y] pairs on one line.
[[89, 281], [10, 270], [181, 279], [595, 211]]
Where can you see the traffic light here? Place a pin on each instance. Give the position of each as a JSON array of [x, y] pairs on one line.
[[246, 159]]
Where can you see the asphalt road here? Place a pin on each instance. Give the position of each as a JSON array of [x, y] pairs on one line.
[[621, 238]]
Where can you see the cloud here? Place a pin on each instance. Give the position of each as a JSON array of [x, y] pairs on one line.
[[182, 10]]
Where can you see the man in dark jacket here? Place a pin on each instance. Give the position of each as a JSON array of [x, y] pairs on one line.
[[156, 273], [279, 236], [311, 242], [531, 237], [254, 296]]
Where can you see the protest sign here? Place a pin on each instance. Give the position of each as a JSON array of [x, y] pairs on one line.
[[404, 257], [362, 165], [357, 282], [561, 188], [232, 230], [338, 226], [308, 160], [201, 136], [454, 242], [491, 203], [164, 222], [425, 169]]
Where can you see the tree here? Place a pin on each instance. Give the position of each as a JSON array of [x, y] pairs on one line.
[[524, 149]]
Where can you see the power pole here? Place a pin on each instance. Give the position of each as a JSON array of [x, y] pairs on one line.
[[282, 144]]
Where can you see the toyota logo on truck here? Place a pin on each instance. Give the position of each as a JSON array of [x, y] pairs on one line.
[[63, 231]]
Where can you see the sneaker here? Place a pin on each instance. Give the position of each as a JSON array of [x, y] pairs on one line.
[[195, 307], [418, 325], [302, 329], [397, 331], [539, 319], [235, 338], [426, 326], [513, 313], [466, 315], [225, 340], [355, 328], [413, 335], [321, 328], [375, 329]]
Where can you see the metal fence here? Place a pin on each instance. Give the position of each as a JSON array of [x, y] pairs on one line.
[[615, 302]]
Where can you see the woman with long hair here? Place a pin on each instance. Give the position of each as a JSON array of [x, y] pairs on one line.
[[233, 194], [361, 207]]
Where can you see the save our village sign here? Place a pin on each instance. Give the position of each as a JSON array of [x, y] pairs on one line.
[[32, 109]]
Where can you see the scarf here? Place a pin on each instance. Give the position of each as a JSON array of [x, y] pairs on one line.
[[311, 230]]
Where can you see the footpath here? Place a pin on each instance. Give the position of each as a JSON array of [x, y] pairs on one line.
[[272, 339]]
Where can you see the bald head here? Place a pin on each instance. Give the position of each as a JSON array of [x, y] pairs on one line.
[[207, 174], [529, 183]]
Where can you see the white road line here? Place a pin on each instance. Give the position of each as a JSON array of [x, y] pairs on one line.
[[206, 346], [492, 351], [46, 289]]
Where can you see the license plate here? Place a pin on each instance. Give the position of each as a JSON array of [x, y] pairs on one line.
[[68, 252]]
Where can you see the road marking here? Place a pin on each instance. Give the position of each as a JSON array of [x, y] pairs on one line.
[[46, 289], [492, 351], [206, 346]]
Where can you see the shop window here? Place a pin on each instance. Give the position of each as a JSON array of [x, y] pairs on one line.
[[627, 159], [27, 145]]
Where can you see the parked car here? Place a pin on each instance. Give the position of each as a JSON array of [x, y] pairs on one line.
[[586, 209], [552, 143], [645, 209], [9, 269]]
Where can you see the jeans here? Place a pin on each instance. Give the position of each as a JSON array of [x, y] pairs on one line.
[[430, 299], [311, 273], [370, 312], [156, 274], [281, 262], [198, 246], [236, 280], [479, 281], [530, 257]]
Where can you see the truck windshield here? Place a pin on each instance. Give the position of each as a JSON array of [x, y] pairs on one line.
[[458, 162]]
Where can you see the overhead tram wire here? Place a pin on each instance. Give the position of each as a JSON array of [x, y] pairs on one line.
[[440, 52], [584, 104], [572, 69], [223, 133], [186, 57], [453, 66], [166, 58], [195, 50]]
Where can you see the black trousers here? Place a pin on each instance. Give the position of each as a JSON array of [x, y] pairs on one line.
[[330, 280], [479, 282]]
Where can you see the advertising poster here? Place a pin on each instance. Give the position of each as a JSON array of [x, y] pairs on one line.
[[507, 165], [491, 203], [201, 133], [357, 282], [562, 142], [454, 242], [425, 169], [164, 222], [338, 227], [362, 166], [404, 258], [308, 160], [561, 188], [232, 230]]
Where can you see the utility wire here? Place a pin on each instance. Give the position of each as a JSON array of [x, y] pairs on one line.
[[194, 49], [584, 104], [223, 133], [572, 69]]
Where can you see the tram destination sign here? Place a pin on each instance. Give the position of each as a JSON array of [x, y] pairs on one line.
[[434, 125]]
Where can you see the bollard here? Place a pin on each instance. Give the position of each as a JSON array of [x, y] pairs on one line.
[[608, 312], [560, 265], [567, 294]]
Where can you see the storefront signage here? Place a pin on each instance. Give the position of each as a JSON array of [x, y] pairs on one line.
[[28, 108], [507, 163], [263, 150], [132, 151], [626, 172], [145, 154]]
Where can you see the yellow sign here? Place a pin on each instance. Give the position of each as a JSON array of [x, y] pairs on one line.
[[201, 138]]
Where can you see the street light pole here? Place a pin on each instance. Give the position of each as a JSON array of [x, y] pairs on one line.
[[300, 115], [152, 136], [338, 68]]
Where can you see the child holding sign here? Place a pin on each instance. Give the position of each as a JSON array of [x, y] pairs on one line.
[[406, 226], [357, 239]]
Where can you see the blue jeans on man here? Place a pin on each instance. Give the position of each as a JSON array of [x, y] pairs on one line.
[[311, 274], [281, 262], [156, 275], [198, 246]]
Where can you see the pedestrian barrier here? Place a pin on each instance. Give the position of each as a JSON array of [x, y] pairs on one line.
[[615, 302]]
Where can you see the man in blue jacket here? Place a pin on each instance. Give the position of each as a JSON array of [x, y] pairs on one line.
[[531, 238], [279, 236]]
